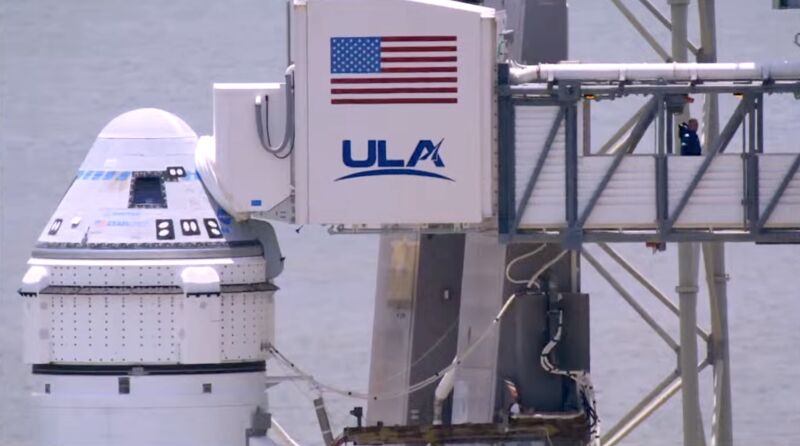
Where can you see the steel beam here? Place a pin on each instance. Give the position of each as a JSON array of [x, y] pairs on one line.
[[630, 144], [716, 278], [693, 433], [537, 170], [714, 253], [571, 165], [719, 146], [776, 197], [688, 257], [660, 331], [608, 147], [665, 21], [505, 142], [646, 283], [604, 236], [642, 30], [612, 436], [620, 431]]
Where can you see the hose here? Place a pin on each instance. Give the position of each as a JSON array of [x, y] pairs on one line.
[[286, 146]]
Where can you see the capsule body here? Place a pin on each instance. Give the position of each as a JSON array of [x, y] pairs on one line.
[[147, 310]]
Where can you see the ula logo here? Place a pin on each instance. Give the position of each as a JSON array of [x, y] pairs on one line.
[[377, 161]]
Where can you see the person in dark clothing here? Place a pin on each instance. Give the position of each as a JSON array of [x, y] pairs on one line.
[[690, 143]]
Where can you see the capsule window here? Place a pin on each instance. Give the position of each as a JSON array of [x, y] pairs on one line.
[[147, 191]]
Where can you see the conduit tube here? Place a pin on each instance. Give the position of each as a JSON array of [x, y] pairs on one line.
[[687, 72]]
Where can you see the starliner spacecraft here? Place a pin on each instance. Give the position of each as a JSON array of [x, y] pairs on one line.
[[148, 310]]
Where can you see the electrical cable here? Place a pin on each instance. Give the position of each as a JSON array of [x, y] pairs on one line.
[[408, 390], [283, 437], [518, 259], [424, 354], [262, 120], [274, 352], [582, 379]]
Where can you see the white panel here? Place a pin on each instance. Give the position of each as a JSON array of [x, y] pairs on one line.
[[447, 192], [299, 53], [546, 206], [135, 273], [247, 325], [113, 328], [36, 327], [159, 410], [145, 328], [487, 128], [200, 329], [252, 179], [717, 200], [772, 169], [629, 199]]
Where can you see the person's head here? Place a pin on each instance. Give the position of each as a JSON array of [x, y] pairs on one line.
[[693, 124]]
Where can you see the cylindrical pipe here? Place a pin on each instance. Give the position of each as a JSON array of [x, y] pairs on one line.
[[443, 390], [714, 256], [688, 256], [684, 72]]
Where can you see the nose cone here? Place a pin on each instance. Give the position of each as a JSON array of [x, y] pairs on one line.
[[138, 192], [147, 123]]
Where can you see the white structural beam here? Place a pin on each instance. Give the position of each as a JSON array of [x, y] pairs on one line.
[[660, 331], [642, 30], [650, 286], [688, 256], [714, 255], [722, 423], [665, 21], [672, 72], [688, 259], [653, 401]]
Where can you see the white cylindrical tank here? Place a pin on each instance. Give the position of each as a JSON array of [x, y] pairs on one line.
[[148, 310]]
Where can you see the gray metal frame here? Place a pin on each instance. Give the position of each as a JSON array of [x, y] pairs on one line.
[[660, 108]]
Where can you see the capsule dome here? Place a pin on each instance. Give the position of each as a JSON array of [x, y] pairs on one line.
[[147, 123]]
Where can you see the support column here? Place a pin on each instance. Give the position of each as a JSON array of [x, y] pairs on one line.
[[722, 427], [714, 256], [693, 434], [416, 322], [688, 259]]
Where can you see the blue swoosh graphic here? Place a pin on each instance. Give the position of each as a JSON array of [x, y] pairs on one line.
[[380, 172]]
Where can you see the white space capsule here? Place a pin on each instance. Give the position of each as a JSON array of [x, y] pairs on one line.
[[148, 311]]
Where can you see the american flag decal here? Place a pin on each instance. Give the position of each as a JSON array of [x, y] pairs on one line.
[[394, 70]]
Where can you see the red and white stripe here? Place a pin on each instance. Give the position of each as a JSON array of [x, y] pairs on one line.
[[414, 70]]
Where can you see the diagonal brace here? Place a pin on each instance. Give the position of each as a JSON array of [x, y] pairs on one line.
[[718, 147], [665, 21], [630, 144], [647, 284], [646, 407], [660, 331], [642, 30], [537, 170], [773, 202]]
